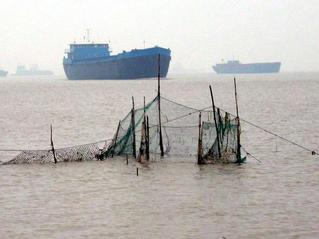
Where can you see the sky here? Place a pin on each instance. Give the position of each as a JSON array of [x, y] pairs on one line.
[[200, 33]]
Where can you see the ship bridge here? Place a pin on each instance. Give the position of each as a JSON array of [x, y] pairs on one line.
[[87, 51]]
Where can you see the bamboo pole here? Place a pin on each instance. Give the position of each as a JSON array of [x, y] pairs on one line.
[[238, 126], [221, 127], [146, 128], [216, 126], [200, 146], [52, 145], [133, 128], [159, 105], [142, 150], [147, 140]]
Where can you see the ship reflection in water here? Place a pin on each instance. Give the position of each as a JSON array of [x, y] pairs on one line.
[[235, 67]]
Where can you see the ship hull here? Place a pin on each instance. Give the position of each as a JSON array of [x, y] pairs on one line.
[[124, 68], [253, 68]]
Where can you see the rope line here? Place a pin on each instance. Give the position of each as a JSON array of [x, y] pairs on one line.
[[313, 152], [249, 154]]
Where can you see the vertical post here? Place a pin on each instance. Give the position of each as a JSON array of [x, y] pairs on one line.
[[147, 139], [52, 146], [133, 128], [159, 105], [146, 128], [238, 126], [200, 146], [216, 126], [142, 150]]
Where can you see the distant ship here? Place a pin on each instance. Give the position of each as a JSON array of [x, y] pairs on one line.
[[3, 73], [33, 71], [94, 61], [235, 67]]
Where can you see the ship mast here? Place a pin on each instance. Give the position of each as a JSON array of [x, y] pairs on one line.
[[88, 35]]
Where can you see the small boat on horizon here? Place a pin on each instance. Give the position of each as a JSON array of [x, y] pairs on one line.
[[3, 73]]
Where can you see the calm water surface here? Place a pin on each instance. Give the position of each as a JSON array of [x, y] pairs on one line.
[[171, 198]]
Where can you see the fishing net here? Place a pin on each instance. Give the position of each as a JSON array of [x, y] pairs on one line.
[[183, 133], [160, 127], [77, 153]]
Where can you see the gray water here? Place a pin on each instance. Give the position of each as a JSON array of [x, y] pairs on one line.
[[277, 197]]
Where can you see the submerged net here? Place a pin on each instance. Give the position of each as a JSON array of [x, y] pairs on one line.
[[182, 133]]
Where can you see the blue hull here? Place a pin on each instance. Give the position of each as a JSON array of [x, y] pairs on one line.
[[253, 68], [132, 65]]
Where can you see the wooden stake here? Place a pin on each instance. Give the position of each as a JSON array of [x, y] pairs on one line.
[[200, 146], [159, 105], [52, 146], [216, 126], [147, 139], [238, 127], [136, 171], [126, 159], [220, 125], [133, 128]]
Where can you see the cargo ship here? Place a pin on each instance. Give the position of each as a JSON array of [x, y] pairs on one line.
[[94, 61], [33, 71], [235, 67], [3, 73]]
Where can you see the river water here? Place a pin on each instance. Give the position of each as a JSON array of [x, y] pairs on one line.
[[273, 196]]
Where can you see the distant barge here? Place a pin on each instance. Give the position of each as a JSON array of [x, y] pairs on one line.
[[235, 67], [33, 71]]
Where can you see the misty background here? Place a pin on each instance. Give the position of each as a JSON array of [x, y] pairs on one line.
[[199, 33]]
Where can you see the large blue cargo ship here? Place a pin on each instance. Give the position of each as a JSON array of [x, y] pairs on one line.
[[94, 61], [235, 67]]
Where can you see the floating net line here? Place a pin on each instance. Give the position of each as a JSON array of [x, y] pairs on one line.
[[85, 152]]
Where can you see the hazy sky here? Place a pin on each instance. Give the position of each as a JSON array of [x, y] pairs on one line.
[[199, 32]]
